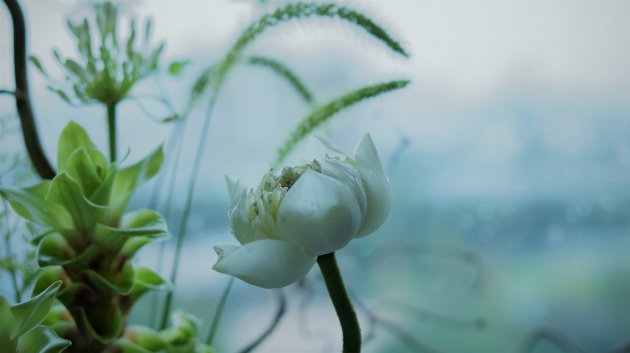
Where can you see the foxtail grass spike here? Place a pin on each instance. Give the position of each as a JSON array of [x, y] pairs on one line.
[[285, 72], [326, 111]]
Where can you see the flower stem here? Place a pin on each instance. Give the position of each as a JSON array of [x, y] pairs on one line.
[[111, 124], [341, 301]]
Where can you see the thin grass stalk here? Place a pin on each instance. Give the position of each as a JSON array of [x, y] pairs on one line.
[[186, 213], [217, 315]]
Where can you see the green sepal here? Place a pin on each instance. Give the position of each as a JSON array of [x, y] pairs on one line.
[[31, 203], [145, 337], [41, 339], [146, 280], [181, 338], [130, 178], [32, 312], [66, 191], [72, 137]]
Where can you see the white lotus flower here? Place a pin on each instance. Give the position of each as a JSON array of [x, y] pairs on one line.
[[284, 222]]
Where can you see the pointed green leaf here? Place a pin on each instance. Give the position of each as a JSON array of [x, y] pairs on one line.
[[54, 250], [120, 281], [125, 345], [101, 196], [31, 203], [145, 281], [6, 321], [144, 337], [57, 313], [72, 137], [77, 70], [176, 67], [130, 178], [82, 169], [48, 277], [41, 339], [103, 322], [38, 64], [32, 312], [66, 191]]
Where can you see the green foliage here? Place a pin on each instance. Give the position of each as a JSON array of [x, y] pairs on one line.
[[283, 71], [297, 11], [176, 67], [326, 111], [90, 242], [20, 329], [108, 68]]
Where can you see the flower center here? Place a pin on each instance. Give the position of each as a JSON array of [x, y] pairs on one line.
[[265, 200]]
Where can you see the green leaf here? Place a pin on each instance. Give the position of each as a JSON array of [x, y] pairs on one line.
[[72, 137], [171, 118], [176, 67], [66, 191], [145, 337], [145, 281], [118, 281], [81, 168], [124, 345], [103, 322], [202, 348], [31, 203], [326, 111], [41, 339], [6, 322], [32, 312], [106, 17], [77, 70], [54, 250], [47, 278], [130, 178], [38, 64], [152, 61]]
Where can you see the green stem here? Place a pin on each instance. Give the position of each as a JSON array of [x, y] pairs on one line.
[[111, 124], [217, 314], [341, 301], [189, 198]]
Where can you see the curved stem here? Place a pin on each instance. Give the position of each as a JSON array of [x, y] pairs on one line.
[[282, 307], [341, 301], [111, 124], [217, 315], [23, 101]]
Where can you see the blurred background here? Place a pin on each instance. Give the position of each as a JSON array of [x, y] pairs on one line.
[[508, 156]]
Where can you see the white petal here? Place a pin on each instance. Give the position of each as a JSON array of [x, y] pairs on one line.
[[319, 214], [247, 182], [349, 176], [377, 188], [317, 148], [264, 263], [238, 216]]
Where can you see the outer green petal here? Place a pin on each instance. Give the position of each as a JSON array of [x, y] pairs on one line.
[[41, 339], [264, 263], [144, 337], [31, 204], [319, 214], [71, 138], [146, 280], [377, 188], [32, 312]]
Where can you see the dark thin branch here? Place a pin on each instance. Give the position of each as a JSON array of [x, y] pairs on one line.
[[23, 102], [282, 306], [551, 334]]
